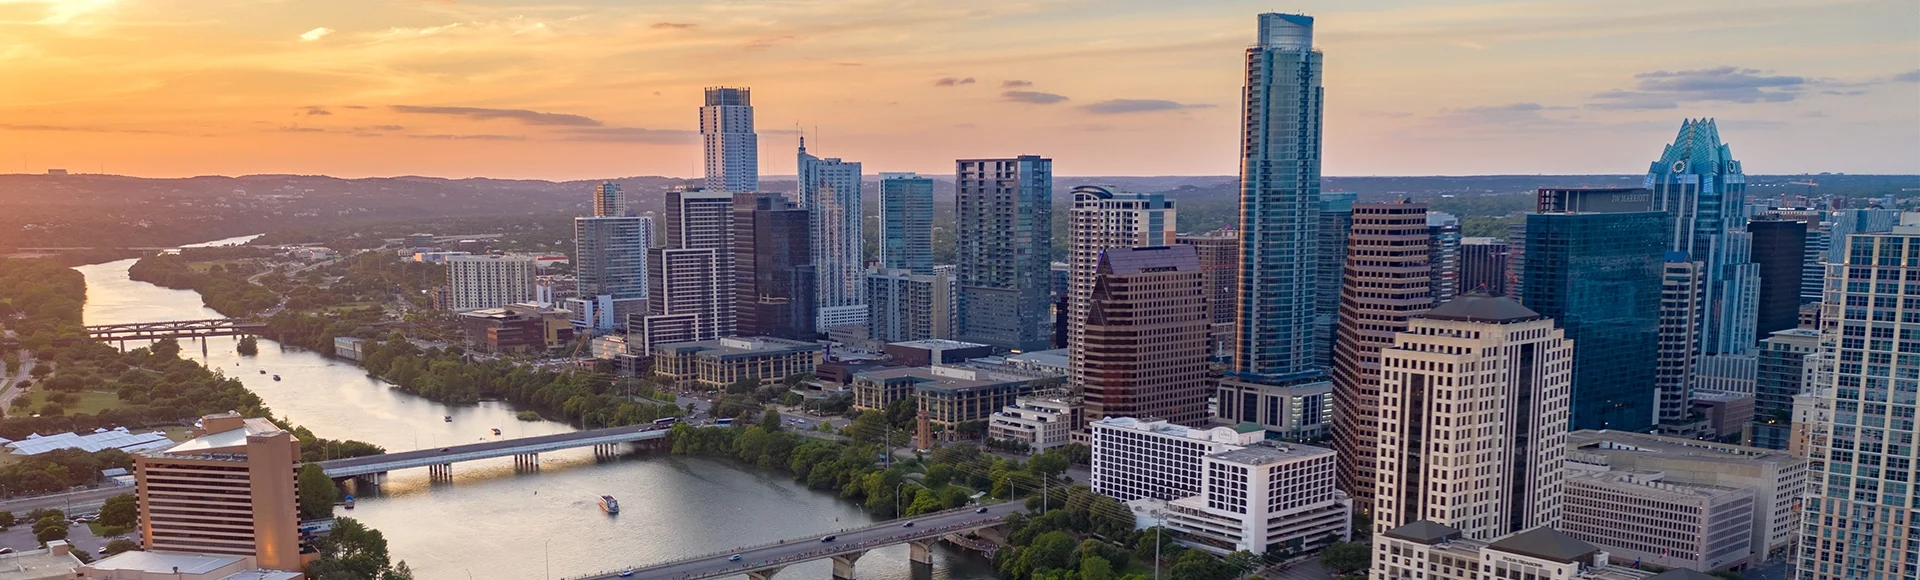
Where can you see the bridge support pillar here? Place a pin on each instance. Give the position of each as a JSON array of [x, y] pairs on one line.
[[921, 551], [371, 479], [605, 451], [440, 472], [843, 565], [526, 462], [763, 573]]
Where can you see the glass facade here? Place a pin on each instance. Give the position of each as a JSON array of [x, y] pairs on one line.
[[906, 222], [1280, 203], [1599, 274], [1004, 246], [1702, 189]]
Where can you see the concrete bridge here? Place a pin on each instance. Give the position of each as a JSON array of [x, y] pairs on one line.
[[526, 452], [174, 329], [847, 546]]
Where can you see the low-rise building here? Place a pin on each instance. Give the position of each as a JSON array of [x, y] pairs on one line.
[[517, 328], [1053, 362], [1425, 550], [54, 562], [1777, 479], [137, 565], [922, 353], [714, 364], [946, 394], [1640, 515], [1040, 422], [350, 348], [1723, 414]]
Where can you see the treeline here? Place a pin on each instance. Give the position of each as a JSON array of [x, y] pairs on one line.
[[223, 287], [373, 277], [59, 470], [41, 301], [590, 399]]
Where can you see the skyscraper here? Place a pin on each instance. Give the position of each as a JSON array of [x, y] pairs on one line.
[[1279, 203], [1387, 280], [830, 193], [691, 285], [1483, 266], [1861, 522], [1004, 246], [610, 262], [1683, 285], [1443, 243], [732, 148], [1336, 219], [1140, 348], [1782, 374], [906, 223], [1473, 419], [1703, 191], [904, 306], [1598, 274], [1779, 247], [1219, 253], [773, 273], [1103, 218]]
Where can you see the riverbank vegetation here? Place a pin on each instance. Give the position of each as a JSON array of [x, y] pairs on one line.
[[589, 399], [223, 286], [59, 470]]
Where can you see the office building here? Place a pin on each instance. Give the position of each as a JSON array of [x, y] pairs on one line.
[[1261, 497], [1777, 480], [1298, 412], [1431, 551], [1004, 246], [1483, 266], [934, 352], [906, 222], [1813, 262], [1782, 372], [717, 364], [610, 259], [1726, 373], [1863, 449], [476, 282], [1443, 245], [1107, 217], [228, 491], [1388, 280], [732, 148], [1038, 422], [1847, 222], [1134, 458], [691, 288], [1336, 220], [523, 328], [948, 394], [1141, 350], [1643, 516], [1598, 276], [1682, 288], [1703, 192], [1219, 253], [1474, 406], [902, 306], [774, 275], [1279, 203], [1779, 247], [830, 194]]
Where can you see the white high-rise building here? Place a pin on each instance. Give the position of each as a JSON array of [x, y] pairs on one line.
[[1862, 518], [1474, 403], [830, 192], [733, 149], [477, 282], [1105, 217], [691, 290]]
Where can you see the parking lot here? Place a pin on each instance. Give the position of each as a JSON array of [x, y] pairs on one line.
[[20, 538]]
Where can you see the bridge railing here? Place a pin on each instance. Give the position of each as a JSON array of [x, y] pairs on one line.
[[776, 543]]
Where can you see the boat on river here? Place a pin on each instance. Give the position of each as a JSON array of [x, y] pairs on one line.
[[347, 502], [276, 377], [609, 505], [496, 431]]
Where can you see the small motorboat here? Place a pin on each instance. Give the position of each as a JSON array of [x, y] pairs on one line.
[[496, 430], [348, 502], [276, 377], [263, 371], [449, 418], [609, 505]]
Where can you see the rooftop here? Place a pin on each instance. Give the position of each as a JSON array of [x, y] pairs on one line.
[[165, 562], [1147, 260], [1267, 453], [740, 346], [224, 439], [1683, 574], [1480, 307], [937, 344], [100, 439], [1045, 358], [946, 378], [1605, 442], [1546, 543], [38, 564], [1425, 532]]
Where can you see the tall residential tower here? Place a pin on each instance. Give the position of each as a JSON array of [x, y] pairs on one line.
[[830, 193], [732, 148], [1004, 246], [1387, 281]]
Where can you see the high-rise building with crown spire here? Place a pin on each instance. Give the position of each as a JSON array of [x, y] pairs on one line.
[[1702, 189]]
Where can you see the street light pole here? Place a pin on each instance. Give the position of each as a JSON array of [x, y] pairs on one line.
[[548, 553]]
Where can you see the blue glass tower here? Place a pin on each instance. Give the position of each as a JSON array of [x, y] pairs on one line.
[[1701, 187], [906, 223], [1599, 275], [1279, 204]]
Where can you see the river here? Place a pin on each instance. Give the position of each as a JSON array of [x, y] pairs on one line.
[[491, 522]]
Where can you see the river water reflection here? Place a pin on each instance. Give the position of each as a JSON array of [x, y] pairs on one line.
[[491, 522]]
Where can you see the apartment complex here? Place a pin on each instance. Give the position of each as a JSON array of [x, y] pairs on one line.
[[829, 193], [1388, 279], [1443, 251], [906, 223], [732, 147], [1140, 350], [1683, 287], [476, 282], [904, 306], [228, 491], [1004, 247], [691, 276], [1474, 406], [1279, 204], [716, 364], [1782, 374]]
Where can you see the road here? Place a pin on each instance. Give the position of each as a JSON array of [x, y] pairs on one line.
[[489, 449], [78, 502], [9, 393], [812, 548]]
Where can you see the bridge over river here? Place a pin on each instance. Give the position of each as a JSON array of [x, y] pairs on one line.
[[761, 562], [525, 450], [174, 329]]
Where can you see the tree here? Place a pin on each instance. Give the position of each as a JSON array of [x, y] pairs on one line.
[[1095, 568], [165, 348], [119, 511], [1048, 464], [1347, 557], [119, 545], [770, 420], [400, 571], [744, 385], [871, 427], [248, 346], [352, 551], [50, 528], [317, 492], [7, 520]]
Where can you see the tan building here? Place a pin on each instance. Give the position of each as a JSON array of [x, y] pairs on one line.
[[949, 394], [171, 566], [229, 491], [1040, 422], [1142, 350], [54, 562], [1425, 550], [1778, 479], [714, 364], [1387, 280], [517, 328], [1641, 515]]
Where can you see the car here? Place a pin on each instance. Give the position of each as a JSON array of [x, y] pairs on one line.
[[6, 550], [733, 558], [445, 449], [625, 573], [102, 550], [980, 511], [907, 525], [827, 539]]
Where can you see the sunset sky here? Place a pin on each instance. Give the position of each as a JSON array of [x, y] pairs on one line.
[[576, 89]]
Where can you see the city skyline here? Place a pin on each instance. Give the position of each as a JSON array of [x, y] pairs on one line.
[[592, 90]]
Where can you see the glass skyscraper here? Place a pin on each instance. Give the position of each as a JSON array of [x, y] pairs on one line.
[[610, 261], [1599, 274], [1004, 246], [830, 193], [732, 148], [1279, 204], [906, 223], [1702, 189]]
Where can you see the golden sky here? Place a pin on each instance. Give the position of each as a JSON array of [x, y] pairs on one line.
[[575, 89]]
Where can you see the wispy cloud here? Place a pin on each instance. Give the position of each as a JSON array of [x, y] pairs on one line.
[[951, 81], [1033, 97], [1668, 89], [75, 129], [673, 26], [1123, 106], [315, 34], [316, 111], [1912, 76], [444, 137], [521, 115], [631, 135], [1015, 84], [1508, 116]]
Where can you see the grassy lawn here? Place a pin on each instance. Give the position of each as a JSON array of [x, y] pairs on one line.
[[91, 402], [105, 531]]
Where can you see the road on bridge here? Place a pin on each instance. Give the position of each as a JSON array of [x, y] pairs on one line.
[[798, 550], [502, 448]]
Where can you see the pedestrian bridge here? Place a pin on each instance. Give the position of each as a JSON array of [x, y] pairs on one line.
[[762, 561], [526, 450]]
